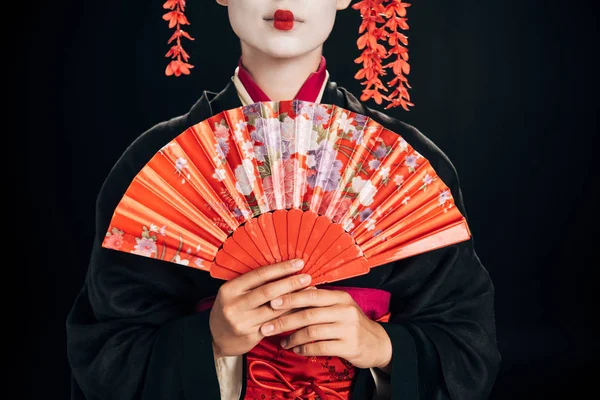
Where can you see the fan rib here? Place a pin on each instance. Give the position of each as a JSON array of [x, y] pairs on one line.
[[280, 224]]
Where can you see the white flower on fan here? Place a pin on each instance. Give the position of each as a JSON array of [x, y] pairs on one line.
[[357, 184], [370, 225], [144, 247], [164, 148], [180, 164], [240, 126], [287, 129], [405, 200], [155, 228], [311, 161], [219, 174], [245, 177], [444, 197], [399, 180], [178, 260], [345, 123], [199, 262], [403, 145], [248, 149], [307, 140], [365, 197], [384, 172]]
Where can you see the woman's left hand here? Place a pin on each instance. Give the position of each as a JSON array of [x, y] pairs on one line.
[[330, 323]]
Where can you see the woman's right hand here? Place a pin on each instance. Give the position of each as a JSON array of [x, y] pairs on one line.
[[242, 305]]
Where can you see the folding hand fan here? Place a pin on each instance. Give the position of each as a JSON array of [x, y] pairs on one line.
[[273, 181]]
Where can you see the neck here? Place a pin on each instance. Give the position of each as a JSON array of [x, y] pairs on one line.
[[280, 78]]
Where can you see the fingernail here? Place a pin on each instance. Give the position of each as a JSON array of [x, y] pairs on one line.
[[284, 343], [268, 328], [276, 302], [297, 264], [297, 350], [304, 279]]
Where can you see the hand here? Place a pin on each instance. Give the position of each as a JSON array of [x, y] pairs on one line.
[[331, 324], [242, 305]]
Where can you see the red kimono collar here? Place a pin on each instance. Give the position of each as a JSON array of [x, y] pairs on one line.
[[308, 92]]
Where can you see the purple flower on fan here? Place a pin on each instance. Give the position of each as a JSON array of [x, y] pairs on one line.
[[357, 136], [380, 152], [259, 153], [321, 116], [267, 130], [364, 214], [374, 164], [223, 147], [326, 167], [144, 247], [360, 119], [252, 110], [258, 135]]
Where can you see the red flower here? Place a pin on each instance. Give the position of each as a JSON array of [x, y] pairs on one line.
[[178, 68], [176, 17], [381, 21]]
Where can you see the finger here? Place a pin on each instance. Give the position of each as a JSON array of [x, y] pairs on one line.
[[303, 318], [262, 275], [266, 313], [314, 333], [269, 291], [326, 348], [316, 298]]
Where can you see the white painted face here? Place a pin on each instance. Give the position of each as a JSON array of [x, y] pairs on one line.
[[283, 28]]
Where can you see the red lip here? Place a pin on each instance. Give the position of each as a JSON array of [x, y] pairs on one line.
[[283, 15]]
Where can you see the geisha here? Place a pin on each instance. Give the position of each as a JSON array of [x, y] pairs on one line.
[[419, 328]]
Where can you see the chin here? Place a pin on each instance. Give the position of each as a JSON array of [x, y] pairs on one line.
[[287, 48]]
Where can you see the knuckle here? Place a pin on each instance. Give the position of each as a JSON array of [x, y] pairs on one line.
[[238, 330], [313, 332], [280, 324], [229, 312], [308, 314], [262, 273], [347, 298], [313, 295], [225, 290], [266, 291]]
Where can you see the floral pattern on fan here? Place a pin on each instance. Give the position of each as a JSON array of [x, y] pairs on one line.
[[242, 174]]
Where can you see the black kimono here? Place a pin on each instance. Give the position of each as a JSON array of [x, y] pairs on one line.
[[133, 332]]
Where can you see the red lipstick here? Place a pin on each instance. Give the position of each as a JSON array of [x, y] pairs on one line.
[[283, 20]]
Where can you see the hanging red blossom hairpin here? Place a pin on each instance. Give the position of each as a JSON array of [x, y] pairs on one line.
[[176, 17], [381, 20]]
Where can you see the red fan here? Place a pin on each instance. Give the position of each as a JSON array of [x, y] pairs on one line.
[[273, 181]]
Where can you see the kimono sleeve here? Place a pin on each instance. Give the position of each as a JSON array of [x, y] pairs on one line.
[[132, 332], [442, 324]]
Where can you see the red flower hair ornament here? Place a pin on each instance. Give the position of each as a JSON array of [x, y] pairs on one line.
[[383, 49]]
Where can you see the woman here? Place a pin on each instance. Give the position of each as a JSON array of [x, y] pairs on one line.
[[419, 328]]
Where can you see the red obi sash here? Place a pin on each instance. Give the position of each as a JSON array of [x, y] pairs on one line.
[[274, 373]]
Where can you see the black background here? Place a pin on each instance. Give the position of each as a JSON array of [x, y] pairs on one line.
[[507, 89]]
